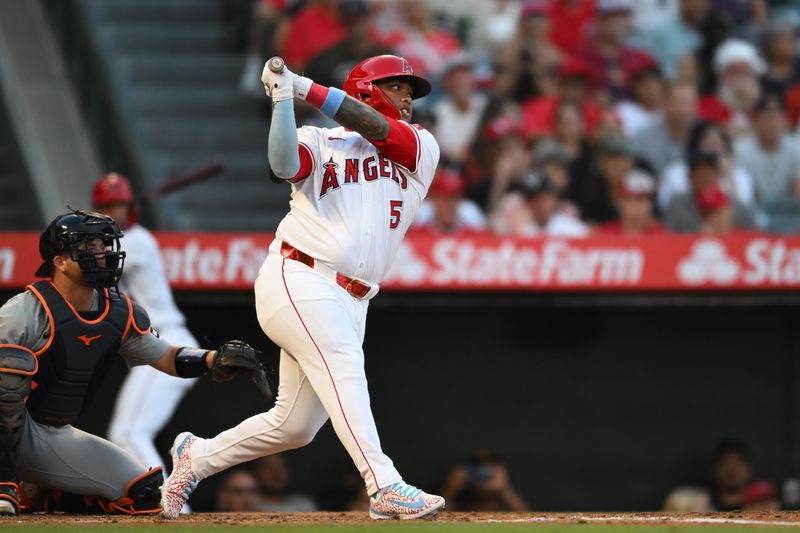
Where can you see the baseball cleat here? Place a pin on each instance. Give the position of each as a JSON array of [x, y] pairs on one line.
[[182, 481], [9, 499], [405, 502]]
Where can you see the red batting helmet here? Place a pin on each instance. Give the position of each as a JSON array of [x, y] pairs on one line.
[[114, 188], [359, 82]]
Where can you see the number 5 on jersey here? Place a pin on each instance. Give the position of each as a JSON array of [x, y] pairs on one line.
[[395, 211]]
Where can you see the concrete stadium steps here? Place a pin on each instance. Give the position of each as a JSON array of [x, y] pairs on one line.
[[159, 37], [176, 92]]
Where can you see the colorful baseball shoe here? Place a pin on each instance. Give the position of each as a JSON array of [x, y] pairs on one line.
[[182, 481], [403, 501]]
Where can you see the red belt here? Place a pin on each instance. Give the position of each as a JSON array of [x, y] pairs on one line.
[[354, 287]]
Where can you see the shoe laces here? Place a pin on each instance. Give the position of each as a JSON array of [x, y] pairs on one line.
[[404, 489]]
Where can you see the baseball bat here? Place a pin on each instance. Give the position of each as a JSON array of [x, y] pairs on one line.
[[186, 179], [276, 64]]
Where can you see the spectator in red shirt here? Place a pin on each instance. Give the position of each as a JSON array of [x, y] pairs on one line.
[[540, 115], [635, 201], [569, 21], [738, 67], [611, 61], [313, 30], [426, 47]]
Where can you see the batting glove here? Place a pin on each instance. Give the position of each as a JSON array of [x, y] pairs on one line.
[[279, 86]]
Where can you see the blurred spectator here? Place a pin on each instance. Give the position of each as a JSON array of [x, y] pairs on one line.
[[426, 47], [458, 113], [738, 67], [635, 205], [333, 64], [499, 24], [532, 57], [783, 66], [645, 106], [539, 115], [482, 484], [316, 27], [238, 492], [688, 500], [675, 39], [569, 23], [597, 195], [272, 474], [731, 473], [761, 496], [611, 60], [498, 157], [708, 137], [649, 14], [550, 158], [771, 155], [445, 210], [664, 141], [532, 208], [707, 208]]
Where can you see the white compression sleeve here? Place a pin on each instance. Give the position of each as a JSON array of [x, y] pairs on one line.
[[282, 150]]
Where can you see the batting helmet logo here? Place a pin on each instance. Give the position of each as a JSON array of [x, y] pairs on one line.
[[359, 83]]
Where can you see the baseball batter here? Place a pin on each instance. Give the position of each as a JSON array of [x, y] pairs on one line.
[[148, 398], [355, 190], [57, 340]]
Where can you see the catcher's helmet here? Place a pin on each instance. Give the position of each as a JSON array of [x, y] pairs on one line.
[[74, 233], [359, 82], [114, 188]]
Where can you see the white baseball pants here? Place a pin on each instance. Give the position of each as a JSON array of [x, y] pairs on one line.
[[320, 329]]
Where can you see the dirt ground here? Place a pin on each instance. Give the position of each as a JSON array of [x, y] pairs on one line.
[[786, 518]]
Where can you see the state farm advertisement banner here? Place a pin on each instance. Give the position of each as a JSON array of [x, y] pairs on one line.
[[220, 261]]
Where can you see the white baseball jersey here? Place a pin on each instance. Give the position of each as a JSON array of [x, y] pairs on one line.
[[353, 202]]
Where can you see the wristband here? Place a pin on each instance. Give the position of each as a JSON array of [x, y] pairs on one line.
[[190, 362], [327, 99]]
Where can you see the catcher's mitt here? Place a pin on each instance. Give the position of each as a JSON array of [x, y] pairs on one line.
[[238, 357]]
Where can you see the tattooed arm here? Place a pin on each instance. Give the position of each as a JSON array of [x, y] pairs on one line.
[[360, 117]]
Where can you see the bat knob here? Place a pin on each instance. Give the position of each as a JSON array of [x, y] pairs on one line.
[[276, 64]]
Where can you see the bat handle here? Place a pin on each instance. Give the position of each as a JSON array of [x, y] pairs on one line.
[[276, 64]]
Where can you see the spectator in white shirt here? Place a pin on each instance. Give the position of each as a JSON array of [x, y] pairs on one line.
[[445, 210], [770, 154], [459, 112], [646, 106]]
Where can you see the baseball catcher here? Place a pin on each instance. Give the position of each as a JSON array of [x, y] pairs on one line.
[[57, 339]]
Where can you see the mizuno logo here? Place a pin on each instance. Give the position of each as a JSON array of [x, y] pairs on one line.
[[88, 340], [419, 504]]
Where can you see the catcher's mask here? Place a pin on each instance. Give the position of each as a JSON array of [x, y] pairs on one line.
[[360, 83], [92, 240]]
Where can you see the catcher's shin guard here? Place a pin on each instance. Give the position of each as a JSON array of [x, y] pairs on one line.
[[17, 366], [142, 496]]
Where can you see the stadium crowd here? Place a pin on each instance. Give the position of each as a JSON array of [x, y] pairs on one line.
[[575, 117]]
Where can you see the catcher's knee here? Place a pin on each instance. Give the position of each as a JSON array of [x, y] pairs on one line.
[[17, 366]]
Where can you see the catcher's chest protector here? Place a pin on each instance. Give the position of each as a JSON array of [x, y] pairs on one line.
[[76, 357]]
